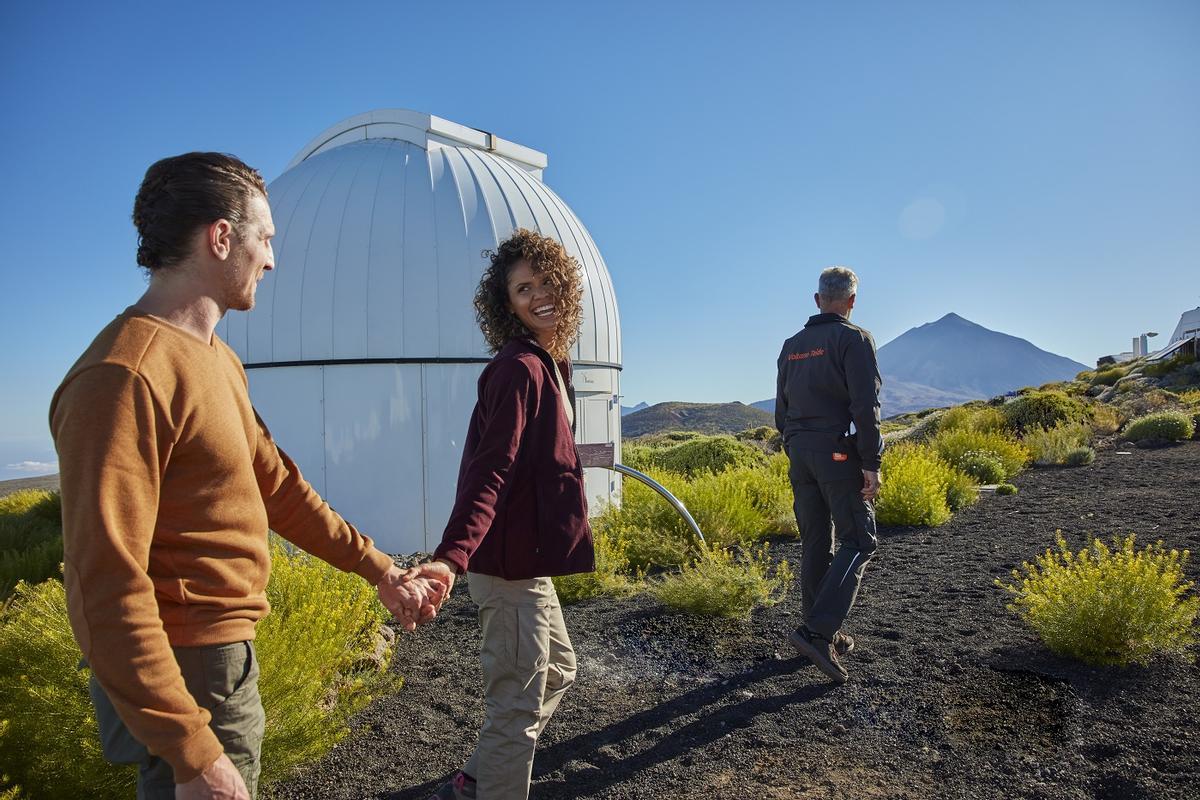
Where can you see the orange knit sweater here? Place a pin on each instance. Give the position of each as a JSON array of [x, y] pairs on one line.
[[169, 484]]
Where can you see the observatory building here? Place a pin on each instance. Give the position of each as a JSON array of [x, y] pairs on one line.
[[363, 351]]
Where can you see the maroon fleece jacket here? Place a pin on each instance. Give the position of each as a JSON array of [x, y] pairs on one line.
[[520, 511]]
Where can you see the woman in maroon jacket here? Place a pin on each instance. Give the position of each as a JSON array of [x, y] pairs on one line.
[[520, 515]]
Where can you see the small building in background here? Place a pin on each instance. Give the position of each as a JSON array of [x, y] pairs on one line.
[[1185, 337], [363, 351]]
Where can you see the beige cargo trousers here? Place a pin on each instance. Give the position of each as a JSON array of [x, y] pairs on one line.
[[528, 663]]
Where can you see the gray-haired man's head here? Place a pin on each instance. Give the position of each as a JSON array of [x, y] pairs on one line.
[[836, 291]]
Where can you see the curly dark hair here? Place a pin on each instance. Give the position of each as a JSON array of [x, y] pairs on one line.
[[547, 257], [183, 193]]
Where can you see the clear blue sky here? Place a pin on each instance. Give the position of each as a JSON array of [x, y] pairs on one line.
[[1032, 166]]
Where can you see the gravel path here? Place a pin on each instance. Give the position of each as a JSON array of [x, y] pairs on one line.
[[950, 695]]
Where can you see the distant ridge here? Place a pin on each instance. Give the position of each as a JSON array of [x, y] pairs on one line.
[[699, 417], [627, 410]]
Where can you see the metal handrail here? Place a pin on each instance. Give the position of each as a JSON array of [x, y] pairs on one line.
[[662, 490]]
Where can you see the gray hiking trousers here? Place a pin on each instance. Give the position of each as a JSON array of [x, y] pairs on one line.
[[826, 487]]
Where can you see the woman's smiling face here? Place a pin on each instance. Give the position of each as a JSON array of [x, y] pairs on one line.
[[532, 299]]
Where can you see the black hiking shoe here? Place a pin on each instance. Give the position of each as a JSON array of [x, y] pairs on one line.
[[459, 787], [820, 651], [843, 643]]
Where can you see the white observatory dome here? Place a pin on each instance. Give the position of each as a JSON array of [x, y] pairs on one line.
[[363, 350]]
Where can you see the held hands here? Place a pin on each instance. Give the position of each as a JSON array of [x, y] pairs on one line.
[[415, 595], [221, 781], [871, 483]]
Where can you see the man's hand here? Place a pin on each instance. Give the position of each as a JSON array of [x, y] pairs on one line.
[[871, 482], [221, 781]]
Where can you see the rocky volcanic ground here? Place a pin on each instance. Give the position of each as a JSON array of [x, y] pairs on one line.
[[950, 695]]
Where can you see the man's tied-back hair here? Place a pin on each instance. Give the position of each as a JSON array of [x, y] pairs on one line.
[[183, 193], [550, 259], [837, 283]]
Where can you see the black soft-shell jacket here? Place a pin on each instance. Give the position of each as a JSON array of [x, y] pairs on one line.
[[828, 378]]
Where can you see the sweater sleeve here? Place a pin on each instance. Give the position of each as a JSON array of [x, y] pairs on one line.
[[863, 382], [113, 446], [483, 479], [297, 513]]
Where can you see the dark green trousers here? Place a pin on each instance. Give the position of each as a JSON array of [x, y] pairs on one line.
[[828, 505], [223, 678]]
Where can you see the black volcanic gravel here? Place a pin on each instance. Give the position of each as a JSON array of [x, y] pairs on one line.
[[950, 695]]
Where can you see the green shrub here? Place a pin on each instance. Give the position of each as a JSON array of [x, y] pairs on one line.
[[30, 538], [763, 433], [1080, 457], [914, 488], [1171, 426], [1005, 489], [953, 445], [982, 465], [1159, 369], [1052, 446], [322, 654], [1105, 419], [961, 490], [639, 456], [1042, 410], [1107, 606], [1107, 377], [611, 576], [738, 505], [709, 454], [719, 583]]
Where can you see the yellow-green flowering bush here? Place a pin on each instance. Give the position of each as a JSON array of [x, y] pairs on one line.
[[1107, 605], [721, 583], [983, 418], [49, 740], [612, 575], [322, 658], [915, 483]]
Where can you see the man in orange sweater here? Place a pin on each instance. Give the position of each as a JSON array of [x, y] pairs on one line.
[[170, 482]]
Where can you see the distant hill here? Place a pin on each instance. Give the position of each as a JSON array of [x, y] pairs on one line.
[[700, 417], [954, 360], [627, 410]]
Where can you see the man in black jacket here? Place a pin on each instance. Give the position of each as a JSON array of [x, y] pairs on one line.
[[828, 378]]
